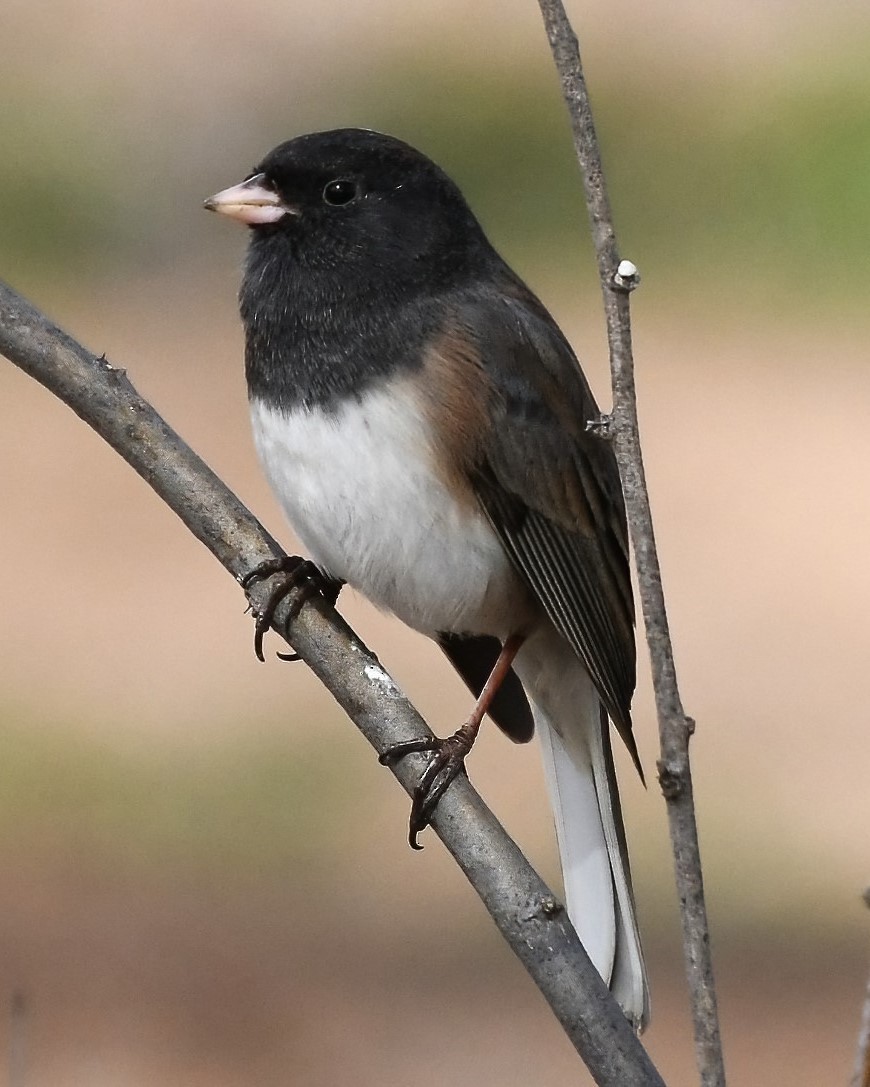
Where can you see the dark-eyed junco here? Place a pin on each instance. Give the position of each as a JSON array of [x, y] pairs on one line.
[[423, 422]]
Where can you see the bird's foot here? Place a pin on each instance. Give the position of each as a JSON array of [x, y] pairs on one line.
[[444, 766], [299, 576]]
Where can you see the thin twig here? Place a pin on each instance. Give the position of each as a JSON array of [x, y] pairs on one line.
[[525, 910], [861, 1074], [675, 728]]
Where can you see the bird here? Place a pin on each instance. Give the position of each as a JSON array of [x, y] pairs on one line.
[[424, 424]]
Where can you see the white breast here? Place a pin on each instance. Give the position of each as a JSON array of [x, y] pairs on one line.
[[360, 488]]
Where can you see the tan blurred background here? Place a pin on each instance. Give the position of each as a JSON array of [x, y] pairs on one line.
[[206, 880]]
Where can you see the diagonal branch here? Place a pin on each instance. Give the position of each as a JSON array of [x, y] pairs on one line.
[[675, 728], [524, 909]]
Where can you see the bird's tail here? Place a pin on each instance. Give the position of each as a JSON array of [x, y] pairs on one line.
[[578, 762]]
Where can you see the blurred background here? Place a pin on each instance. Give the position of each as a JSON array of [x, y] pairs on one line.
[[206, 877]]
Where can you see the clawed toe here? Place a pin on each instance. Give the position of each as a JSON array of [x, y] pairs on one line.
[[399, 751], [447, 763], [298, 575]]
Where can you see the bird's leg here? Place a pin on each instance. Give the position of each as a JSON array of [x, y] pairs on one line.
[[450, 754], [300, 575]]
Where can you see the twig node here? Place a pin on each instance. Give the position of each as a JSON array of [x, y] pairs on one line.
[[626, 277], [600, 427], [671, 780]]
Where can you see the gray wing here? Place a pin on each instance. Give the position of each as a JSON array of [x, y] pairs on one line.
[[551, 489]]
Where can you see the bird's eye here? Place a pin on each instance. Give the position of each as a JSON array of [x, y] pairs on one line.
[[338, 192]]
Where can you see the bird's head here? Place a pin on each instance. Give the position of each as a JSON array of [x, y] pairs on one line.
[[353, 197]]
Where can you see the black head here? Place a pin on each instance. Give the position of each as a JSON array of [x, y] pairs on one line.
[[358, 199], [356, 242]]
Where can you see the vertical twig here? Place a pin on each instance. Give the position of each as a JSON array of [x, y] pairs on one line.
[[675, 728], [861, 1075]]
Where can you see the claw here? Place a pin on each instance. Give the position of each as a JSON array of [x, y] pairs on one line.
[[301, 576], [444, 767], [408, 747], [448, 762]]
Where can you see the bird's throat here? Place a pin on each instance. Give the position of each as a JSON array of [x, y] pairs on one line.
[[315, 338]]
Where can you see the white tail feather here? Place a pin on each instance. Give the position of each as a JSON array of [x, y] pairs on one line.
[[578, 764], [582, 849]]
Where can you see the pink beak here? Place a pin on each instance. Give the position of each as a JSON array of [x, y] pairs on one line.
[[252, 202]]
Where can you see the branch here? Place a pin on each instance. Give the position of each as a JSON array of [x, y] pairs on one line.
[[675, 728], [534, 924]]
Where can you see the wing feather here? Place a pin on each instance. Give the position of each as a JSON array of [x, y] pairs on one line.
[[551, 488]]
